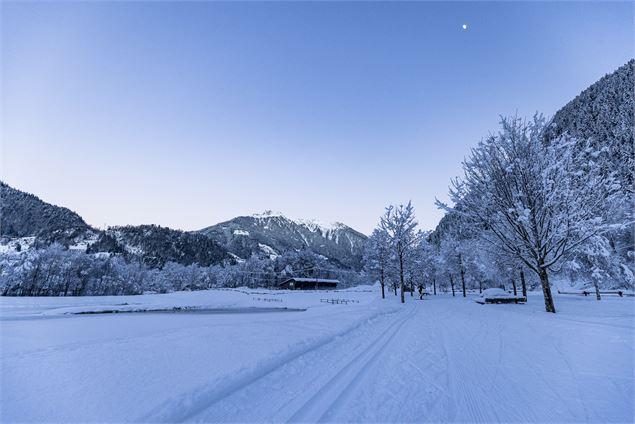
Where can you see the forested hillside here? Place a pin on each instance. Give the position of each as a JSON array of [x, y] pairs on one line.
[[603, 114], [154, 246], [24, 215]]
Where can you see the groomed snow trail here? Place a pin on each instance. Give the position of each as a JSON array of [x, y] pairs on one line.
[[440, 360], [312, 387]]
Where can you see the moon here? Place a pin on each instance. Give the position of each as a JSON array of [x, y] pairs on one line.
[[464, 26]]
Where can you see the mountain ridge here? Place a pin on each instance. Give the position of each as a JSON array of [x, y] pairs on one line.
[[270, 234], [26, 215]]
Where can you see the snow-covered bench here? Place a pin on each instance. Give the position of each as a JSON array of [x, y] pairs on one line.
[[620, 293], [498, 296]]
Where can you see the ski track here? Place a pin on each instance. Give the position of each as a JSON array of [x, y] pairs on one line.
[[431, 379], [188, 406], [302, 390], [341, 387]]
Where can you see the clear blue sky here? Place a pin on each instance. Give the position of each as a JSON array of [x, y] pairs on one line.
[[188, 114]]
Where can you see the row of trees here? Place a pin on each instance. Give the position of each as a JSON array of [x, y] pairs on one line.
[[525, 203], [393, 251], [540, 203], [401, 258], [58, 271]]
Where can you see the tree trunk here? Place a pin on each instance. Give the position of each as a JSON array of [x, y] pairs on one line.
[[597, 290], [480, 286], [546, 291], [382, 283], [394, 286], [515, 291], [522, 283], [463, 281], [434, 285], [401, 282], [452, 284], [412, 289], [403, 298], [462, 274]]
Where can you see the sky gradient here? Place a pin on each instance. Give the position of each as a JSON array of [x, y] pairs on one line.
[[188, 114]]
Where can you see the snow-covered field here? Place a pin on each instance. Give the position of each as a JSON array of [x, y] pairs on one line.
[[443, 359]]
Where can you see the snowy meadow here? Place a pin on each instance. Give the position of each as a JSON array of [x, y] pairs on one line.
[[221, 359]]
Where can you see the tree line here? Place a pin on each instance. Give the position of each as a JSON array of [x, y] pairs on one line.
[[527, 207], [56, 270]]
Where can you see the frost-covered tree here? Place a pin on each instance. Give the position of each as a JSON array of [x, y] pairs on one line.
[[399, 223], [377, 257], [597, 263], [538, 202]]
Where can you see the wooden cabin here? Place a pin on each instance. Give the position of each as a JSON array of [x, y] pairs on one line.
[[308, 284]]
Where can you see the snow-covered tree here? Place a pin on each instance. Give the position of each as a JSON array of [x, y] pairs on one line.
[[400, 225], [377, 257], [538, 202]]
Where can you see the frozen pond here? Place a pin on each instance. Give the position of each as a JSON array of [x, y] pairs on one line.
[[186, 310]]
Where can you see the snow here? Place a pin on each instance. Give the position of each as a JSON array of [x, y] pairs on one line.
[[496, 293], [11, 246], [268, 214], [315, 225], [240, 233], [442, 359], [268, 250], [236, 257], [312, 225], [83, 244]]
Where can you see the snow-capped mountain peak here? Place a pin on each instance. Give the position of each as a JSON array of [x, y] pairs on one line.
[[311, 223], [279, 234]]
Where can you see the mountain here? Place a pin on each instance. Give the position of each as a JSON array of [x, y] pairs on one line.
[[25, 215], [271, 234], [604, 113], [155, 246], [266, 235]]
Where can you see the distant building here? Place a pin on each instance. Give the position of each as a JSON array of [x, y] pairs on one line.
[[308, 284]]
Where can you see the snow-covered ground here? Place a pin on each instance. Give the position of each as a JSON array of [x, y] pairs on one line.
[[443, 359]]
